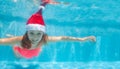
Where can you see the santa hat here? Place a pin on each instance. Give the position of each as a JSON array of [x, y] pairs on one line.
[[36, 22]]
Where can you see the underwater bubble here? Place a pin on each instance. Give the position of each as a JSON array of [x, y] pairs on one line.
[[15, 0]]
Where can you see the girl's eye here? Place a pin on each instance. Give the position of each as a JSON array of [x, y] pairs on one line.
[[39, 34], [31, 33]]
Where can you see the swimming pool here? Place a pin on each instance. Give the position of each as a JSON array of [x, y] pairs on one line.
[[80, 18]]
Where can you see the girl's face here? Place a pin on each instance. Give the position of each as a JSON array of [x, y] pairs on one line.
[[35, 36]]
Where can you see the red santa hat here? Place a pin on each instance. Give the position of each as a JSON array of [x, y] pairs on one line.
[[36, 22]]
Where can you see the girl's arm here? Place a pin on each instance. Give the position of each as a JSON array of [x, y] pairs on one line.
[[67, 38], [10, 41]]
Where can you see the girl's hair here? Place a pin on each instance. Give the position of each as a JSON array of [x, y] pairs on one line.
[[26, 43]]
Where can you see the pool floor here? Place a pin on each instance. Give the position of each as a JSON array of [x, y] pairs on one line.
[[59, 65]]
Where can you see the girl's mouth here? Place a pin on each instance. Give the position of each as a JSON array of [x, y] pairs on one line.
[[34, 41]]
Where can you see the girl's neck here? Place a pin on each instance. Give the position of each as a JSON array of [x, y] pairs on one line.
[[35, 46]]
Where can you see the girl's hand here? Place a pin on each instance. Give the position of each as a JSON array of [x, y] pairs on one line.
[[92, 38], [54, 2], [47, 1]]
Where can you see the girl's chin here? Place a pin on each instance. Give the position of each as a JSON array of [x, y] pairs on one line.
[[34, 42]]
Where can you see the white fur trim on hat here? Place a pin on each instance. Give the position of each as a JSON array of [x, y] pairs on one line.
[[41, 7], [35, 27]]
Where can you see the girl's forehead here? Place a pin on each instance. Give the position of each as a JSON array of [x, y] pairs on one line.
[[35, 31]]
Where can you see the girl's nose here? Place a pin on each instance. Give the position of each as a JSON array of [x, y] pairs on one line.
[[34, 36]]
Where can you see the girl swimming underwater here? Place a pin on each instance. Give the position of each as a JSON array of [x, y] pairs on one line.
[[29, 45]]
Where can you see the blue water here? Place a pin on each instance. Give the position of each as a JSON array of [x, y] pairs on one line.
[[79, 19]]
